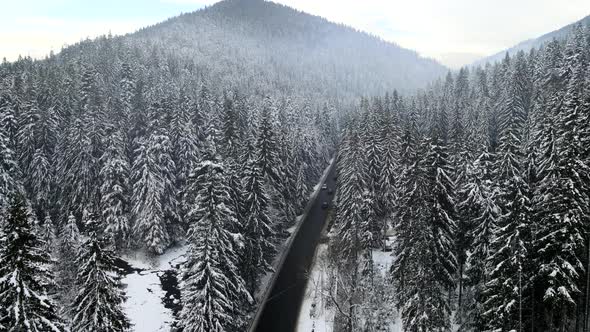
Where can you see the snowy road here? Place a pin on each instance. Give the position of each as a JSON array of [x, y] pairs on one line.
[[281, 310]]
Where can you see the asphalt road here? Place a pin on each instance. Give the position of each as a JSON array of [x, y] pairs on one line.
[[281, 310]]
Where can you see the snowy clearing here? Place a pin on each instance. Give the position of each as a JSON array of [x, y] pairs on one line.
[[144, 305]]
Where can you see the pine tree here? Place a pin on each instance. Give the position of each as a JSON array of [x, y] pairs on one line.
[[391, 134], [37, 135], [425, 264], [562, 207], [257, 229], [350, 221], [128, 87], [25, 280], [211, 287], [505, 290], [480, 211], [230, 127], [148, 187], [410, 195], [8, 173], [99, 300], [267, 149], [68, 244], [8, 120], [79, 169], [47, 234], [161, 149], [184, 148], [115, 191], [373, 168], [301, 189]]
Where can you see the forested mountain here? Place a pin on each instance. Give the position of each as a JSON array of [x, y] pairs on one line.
[[209, 131], [538, 42], [484, 178], [140, 142], [264, 46]]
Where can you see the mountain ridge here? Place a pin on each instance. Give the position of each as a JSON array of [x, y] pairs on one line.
[[256, 37], [531, 43]]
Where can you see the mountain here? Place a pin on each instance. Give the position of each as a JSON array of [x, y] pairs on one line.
[[261, 44], [529, 44]]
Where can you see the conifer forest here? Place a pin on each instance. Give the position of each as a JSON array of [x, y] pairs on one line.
[[197, 147]]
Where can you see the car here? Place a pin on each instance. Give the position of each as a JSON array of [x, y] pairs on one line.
[[325, 205], [330, 191], [324, 187]]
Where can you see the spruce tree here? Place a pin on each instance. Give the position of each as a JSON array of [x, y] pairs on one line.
[[99, 299], [258, 250], [148, 187], [562, 208], [211, 286], [25, 278], [68, 245], [505, 291], [8, 173], [425, 264], [115, 191]]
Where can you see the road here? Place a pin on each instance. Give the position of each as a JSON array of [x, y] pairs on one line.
[[281, 310]]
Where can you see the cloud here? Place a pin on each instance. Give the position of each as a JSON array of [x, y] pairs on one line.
[[190, 2], [37, 36]]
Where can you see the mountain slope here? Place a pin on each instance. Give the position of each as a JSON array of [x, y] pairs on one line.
[[529, 44], [255, 43]]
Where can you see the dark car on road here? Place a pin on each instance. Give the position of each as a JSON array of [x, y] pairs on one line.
[[325, 205]]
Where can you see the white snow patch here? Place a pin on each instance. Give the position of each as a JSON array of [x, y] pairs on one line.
[[144, 305]]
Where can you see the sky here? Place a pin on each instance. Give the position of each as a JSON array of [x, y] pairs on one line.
[[455, 32]]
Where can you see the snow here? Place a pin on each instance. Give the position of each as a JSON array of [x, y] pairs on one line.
[[320, 319], [322, 179], [314, 316], [144, 305]]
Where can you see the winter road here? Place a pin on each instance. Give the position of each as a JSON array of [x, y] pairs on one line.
[[281, 309]]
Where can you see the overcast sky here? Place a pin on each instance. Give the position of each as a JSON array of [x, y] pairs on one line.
[[452, 31]]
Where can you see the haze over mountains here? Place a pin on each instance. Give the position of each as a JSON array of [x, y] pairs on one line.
[[529, 44]]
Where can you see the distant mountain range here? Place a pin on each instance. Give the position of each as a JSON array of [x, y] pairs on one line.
[[267, 46], [529, 44]]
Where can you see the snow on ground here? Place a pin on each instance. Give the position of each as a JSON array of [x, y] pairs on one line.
[[314, 316], [382, 260], [144, 305]]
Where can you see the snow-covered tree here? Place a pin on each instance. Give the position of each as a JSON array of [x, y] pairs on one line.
[[68, 244], [257, 229], [115, 191], [212, 290], [99, 299], [25, 278], [148, 187]]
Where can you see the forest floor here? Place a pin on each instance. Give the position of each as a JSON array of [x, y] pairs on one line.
[[317, 314]]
